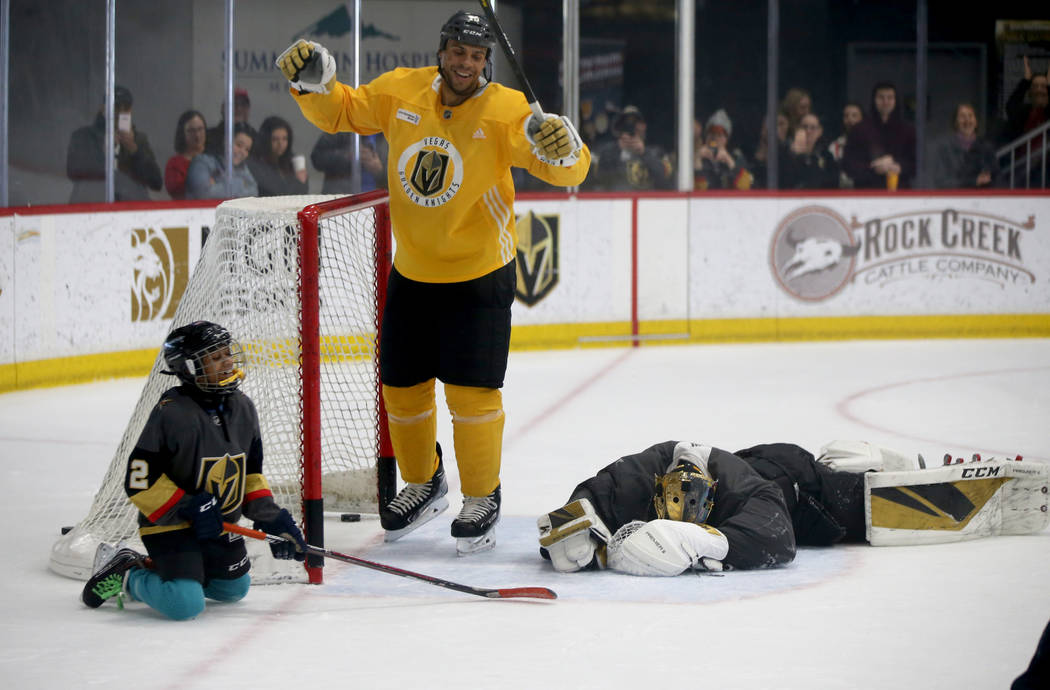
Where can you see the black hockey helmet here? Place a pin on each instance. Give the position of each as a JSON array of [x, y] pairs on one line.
[[470, 28], [186, 350], [685, 494]]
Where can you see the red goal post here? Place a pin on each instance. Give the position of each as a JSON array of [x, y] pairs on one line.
[[300, 281], [310, 220]]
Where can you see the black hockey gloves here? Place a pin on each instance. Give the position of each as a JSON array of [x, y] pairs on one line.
[[284, 526], [202, 510]]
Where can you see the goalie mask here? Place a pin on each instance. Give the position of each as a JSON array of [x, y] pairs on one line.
[[685, 494], [204, 354]]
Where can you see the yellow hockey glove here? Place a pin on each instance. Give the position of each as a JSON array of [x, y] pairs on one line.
[[554, 138], [308, 66]]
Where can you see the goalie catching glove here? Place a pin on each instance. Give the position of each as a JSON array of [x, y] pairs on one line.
[[554, 139], [308, 66], [573, 537], [293, 546], [666, 547]]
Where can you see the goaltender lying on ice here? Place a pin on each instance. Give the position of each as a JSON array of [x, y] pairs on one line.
[[684, 506]]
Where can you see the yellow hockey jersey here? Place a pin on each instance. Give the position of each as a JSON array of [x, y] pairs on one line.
[[451, 192]]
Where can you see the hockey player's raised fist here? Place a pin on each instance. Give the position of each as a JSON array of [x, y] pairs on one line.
[[554, 137], [308, 66]]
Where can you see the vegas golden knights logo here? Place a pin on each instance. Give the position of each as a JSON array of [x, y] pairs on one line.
[[160, 271], [223, 478], [428, 175], [943, 506], [537, 271]]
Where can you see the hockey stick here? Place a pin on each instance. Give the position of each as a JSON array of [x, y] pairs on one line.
[[530, 95], [503, 593]]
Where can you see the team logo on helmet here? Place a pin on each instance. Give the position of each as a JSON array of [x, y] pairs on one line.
[[431, 171]]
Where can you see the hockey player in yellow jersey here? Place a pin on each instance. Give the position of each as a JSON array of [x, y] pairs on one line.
[[453, 138]]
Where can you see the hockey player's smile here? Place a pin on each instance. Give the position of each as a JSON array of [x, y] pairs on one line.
[[462, 78]]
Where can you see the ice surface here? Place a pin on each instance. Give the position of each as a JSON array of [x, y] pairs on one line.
[[948, 616]]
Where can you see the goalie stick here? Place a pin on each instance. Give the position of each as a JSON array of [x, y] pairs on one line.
[[497, 593], [512, 58]]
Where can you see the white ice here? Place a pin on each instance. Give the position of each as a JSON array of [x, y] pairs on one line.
[[951, 616]]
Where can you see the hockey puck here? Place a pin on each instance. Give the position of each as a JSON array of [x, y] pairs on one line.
[[350, 517]]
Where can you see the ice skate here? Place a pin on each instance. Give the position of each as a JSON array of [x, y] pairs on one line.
[[415, 505], [109, 578], [475, 526]]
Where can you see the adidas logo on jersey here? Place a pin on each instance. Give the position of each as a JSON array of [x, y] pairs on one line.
[[478, 134]]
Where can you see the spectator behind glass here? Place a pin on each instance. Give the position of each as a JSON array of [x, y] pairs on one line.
[[882, 143], [1026, 108], [1022, 117], [807, 163], [333, 155], [852, 114], [796, 104], [758, 169], [135, 171], [206, 178], [190, 133], [242, 110], [962, 159], [720, 168], [271, 161], [628, 162]]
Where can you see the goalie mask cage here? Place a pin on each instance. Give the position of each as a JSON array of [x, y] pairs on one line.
[[300, 282]]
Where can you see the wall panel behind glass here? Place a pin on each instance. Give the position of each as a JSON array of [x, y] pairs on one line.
[[57, 75]]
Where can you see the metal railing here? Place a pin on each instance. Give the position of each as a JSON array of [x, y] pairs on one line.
[[1025, 162]]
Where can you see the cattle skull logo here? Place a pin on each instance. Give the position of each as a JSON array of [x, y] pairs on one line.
[[813, 253]]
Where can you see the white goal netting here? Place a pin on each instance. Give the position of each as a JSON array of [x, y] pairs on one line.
[[250, 280]]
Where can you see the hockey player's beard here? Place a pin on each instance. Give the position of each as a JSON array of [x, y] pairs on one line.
[[461, 93]]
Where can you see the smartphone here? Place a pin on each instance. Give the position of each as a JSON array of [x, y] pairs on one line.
[[124, 122]]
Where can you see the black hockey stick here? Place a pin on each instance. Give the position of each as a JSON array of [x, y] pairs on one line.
[[502, 593], [530, 95]]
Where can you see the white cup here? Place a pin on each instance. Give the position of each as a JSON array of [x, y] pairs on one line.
[[299, 163]]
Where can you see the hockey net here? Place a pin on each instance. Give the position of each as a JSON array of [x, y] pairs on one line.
[[299, 281]]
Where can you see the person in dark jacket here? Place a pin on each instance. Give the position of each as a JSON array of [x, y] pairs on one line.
[[880, 150], [807, 163], [271, 160], [135, 171], [963, 159], [333, 155], [630, 162]]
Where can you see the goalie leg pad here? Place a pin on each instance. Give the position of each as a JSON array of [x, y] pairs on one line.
[[573, 536], [666, 548], [956, 502]]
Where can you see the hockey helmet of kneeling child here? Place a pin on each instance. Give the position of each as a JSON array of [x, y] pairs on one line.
[[205, 355], [685, 494]]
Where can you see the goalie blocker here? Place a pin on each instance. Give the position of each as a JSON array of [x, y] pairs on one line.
[[957, 502]]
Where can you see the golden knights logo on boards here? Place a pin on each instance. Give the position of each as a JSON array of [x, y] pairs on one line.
[[160, 271], [537, 271], [223, 478]]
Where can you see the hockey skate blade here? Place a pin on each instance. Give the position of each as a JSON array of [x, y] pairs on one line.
[[104, 552], [432, 511], [468, 546]]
